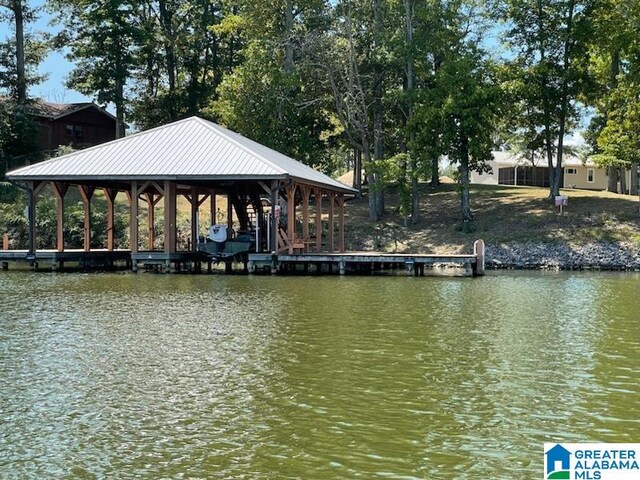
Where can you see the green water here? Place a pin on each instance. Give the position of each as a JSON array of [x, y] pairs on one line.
[[165, 376]]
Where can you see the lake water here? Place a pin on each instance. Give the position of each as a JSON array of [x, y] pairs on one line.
[[167, 376]]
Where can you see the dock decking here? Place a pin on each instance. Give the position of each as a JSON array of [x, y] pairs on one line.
[[359, 263]]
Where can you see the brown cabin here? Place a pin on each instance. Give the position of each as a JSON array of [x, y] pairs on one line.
[[80, 125]]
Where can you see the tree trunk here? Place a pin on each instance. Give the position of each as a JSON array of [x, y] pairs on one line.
[[612, 171], [373, 210], [378, 144], [169, 50], [21, 86], [467, 215], [564, 101], [288, 34], [633, 188], [435, 172], [415, 199], [623, 180], [415, 192], [357, 170], [119, 102]]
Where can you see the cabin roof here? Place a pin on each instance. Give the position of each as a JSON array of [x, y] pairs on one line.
[[55, 111], [189, 149]]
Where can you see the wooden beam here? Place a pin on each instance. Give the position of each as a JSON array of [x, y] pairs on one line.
[[229, 215], [170, 228], [213, 208], [151, 218], [133, 236], [110, 195], [32, 197], [202, 198], [273, 228], [60, 190], [38, 186], [318, 195], [291, 215], [341, 223], [305, 212], [86, 192], [330, 231], [194, 218]]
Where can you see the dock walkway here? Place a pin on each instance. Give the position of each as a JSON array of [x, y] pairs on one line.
[[358, 263]]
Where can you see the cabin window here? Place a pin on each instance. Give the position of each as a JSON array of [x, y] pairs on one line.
[[69, 130], [590, 175], [571, 171], [78, 131]]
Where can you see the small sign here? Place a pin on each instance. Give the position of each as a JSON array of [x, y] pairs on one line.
[[592, 461], [562, 201]]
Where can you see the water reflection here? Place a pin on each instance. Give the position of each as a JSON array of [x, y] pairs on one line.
[[260, 377]]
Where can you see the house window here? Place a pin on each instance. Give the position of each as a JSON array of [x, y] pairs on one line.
[[570, 171], [78, 131], [69, 130], [590, 175]]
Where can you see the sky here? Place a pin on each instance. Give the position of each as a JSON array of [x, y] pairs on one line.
[[55, 65]]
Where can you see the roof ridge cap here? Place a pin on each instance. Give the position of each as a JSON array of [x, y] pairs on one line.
[[211, 126]]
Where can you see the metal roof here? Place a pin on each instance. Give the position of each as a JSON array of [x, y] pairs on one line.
[[189, 149]]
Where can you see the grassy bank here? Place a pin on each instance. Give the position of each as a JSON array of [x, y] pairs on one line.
[[503, 215]]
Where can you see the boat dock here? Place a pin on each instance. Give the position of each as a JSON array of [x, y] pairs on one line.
[[350, 263]]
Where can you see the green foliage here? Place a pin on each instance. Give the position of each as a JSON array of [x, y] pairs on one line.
[[18, 134], [13, 219]]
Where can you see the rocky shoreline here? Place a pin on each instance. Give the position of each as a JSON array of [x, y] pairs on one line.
[[564, 256]]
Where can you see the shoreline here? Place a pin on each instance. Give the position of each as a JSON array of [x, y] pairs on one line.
[[598, 256]]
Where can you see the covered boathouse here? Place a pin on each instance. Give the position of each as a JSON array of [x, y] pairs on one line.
[[278, 202]]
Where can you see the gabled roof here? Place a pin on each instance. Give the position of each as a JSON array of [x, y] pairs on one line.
[[190, 149], [54, 111]]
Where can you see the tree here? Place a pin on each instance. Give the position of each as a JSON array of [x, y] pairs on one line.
[[469, 113], [20, 55], [272, 96], [103, 37], [615, 66], [547, 38]]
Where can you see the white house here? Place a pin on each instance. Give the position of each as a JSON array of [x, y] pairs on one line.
[[508, 169]]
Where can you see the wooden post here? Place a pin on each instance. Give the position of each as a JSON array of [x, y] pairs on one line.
[[331, 221], [291, 215], [86, 193], [229, 216], [305, 213], [31, 212], [110, 196], [341, 223], [274, 221], [194, 218], [5, 241], [170, 228], [60, 190], [213, 208], [478, 251], [318, 195], [133, 236], [151, 219]]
